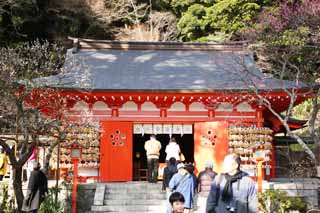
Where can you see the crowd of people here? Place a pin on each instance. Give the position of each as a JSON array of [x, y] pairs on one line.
[[230, 191]]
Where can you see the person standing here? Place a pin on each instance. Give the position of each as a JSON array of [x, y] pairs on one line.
[[205, 179], [37, 189], [152, 148], [190, 168], [233, 191], [183, 182], [168, 173], [173, 150], [3, 163]]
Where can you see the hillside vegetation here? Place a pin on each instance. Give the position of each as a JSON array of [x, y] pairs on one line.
[[144, 20]]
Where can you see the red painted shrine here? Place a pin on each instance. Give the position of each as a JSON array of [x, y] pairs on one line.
[[202, 94]]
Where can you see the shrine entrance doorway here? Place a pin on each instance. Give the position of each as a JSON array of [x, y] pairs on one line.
[[139, 158]]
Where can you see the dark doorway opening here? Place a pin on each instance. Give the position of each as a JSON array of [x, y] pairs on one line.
[[186, 143]]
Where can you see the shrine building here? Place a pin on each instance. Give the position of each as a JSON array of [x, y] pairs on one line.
[[203, 94]]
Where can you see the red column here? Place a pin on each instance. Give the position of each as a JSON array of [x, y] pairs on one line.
[[163, 113], [260, 124], [259, 118], [114, 112], [260, 176], [273, 162], [211, 113]]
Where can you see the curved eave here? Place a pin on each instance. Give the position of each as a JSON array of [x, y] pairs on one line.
[[306, 90]]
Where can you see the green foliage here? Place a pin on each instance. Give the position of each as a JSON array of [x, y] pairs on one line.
[[25, 20], [208, 21], [303, 111], [230, 16], [298, 147], [49, 205], [192, 24], [5, 202], [4, 197], [276, 201], [181, 6]]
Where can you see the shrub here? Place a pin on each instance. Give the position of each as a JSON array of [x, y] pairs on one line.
[[276, 201], [49, 205]]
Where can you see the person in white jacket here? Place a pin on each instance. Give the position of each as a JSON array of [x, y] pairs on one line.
[[152, 148], [173, 150]]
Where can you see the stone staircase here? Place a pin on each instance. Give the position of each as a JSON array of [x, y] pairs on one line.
[[130, 197]]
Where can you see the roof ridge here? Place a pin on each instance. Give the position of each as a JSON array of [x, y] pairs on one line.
[[81, 43]]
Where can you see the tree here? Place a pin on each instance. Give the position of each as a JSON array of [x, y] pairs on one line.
[[215, 20], [21, 122], [288, 48], [24, 20]]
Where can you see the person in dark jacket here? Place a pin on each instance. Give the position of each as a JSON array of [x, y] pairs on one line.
[[37, 189], [233, 191], [190, 169], [205, 179], [168, 172]]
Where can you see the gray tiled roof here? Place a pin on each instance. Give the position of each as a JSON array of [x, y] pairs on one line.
[[161, 70]]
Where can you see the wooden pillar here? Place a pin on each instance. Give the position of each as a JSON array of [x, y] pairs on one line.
[[273, 162], [163, 112], [259, 117], [114, 112], [260, 120], [211, 113]]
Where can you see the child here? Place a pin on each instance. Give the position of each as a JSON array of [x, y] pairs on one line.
[[176, 200]]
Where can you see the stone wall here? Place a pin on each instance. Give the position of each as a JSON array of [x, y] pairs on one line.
[[85, 196], [307, 188]]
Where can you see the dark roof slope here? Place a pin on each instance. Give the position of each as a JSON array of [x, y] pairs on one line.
[[125, 66]]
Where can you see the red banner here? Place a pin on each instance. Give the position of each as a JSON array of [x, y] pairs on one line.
[[210, 143]]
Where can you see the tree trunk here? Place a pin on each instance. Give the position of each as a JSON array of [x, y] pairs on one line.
[[48, 156], [17, 186]]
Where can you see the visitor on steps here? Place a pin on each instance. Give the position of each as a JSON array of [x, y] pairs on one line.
[[183, 182], [152, 148], [205, 179], [173, 150], [233, 191], [190, 168], [176, 200], [168, 173]]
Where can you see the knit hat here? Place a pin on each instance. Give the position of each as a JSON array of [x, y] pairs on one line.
[[180, 165], [209, 164], [36, 164]]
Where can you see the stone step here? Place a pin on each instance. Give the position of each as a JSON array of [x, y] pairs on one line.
[[133, 185], [130, 191], [130, 208], [134, 202], [141, 196]]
